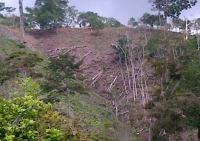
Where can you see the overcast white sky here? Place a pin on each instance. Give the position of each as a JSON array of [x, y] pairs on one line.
[[122, 10]]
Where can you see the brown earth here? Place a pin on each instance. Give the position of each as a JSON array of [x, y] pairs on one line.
[[101, 59]]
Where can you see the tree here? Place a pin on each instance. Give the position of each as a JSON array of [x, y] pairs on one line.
[[172, 8], [21, 17], [178, 23], [132, 22], [7, 9], [10, 20], [28, 118], [70, 17], [112, 22], [60, 77], [197, 27], [97, 25], [149, 19], [48, 14], [87, 18]]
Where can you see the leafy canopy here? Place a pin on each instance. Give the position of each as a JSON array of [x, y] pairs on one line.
[[47, 13], [91, 18], [172, 8], [112, 22], [7, 9], [28, 118], [132, 22], [60, 75], [149, 19]]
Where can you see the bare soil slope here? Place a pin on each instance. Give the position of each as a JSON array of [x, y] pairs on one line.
[[100, 67]]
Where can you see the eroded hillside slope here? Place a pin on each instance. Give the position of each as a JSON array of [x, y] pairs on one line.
[[127, 87]]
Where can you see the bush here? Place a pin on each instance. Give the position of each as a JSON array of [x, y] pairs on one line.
[[28, 118]]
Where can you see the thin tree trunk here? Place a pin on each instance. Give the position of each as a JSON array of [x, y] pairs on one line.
[[198, 41], [159, 20], [21, 17], [134, 89], [56, 25], [186, 29]]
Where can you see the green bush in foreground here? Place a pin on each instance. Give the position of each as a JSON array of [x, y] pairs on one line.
[[27, 118]]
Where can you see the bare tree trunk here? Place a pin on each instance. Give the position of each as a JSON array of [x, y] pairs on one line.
[[134, 89], [198, 134], [186, 29], [167, 2], [198, 41], [159, 19], [21, 17], [56, 25]]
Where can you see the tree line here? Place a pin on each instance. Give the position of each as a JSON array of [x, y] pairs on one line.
[[53, 14]]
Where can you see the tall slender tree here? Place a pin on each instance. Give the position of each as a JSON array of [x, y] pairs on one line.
[[21, 17]]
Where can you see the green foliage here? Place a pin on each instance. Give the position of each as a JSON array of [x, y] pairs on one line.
[[91, 18], [193, 113], [87, 18], [172, 8], [26, 118], [122, 50], [49, 14], [160, 68], [97, 25], [132, 22], [149, 19], [70, 17], [177, 64], [28, 88], [149, 105], [53, 134], [10, 20], [19, 62], [60, 75], [112, 22], [7, 9], [178, 23], [192, 76]]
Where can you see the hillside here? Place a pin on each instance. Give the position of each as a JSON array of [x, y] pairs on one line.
[[122, 91]]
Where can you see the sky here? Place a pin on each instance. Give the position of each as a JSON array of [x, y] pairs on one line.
[[122, 10]]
